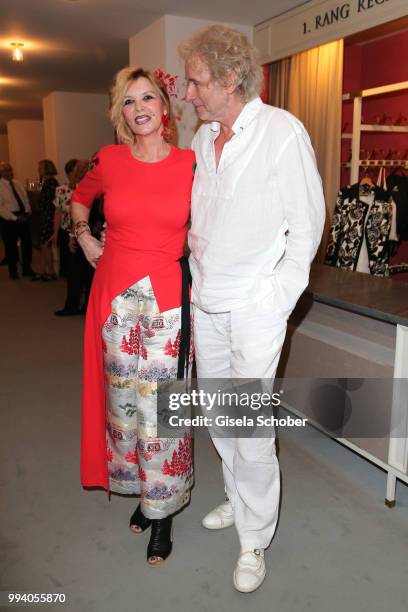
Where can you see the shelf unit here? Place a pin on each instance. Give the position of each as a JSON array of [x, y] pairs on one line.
[[373, 163], [384, 128], [379, 128], [359, 127]]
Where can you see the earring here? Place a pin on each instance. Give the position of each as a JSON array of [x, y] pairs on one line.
[[166, 132]]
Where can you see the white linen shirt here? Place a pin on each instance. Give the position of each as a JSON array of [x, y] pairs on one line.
[[257, 220], [8, 203]]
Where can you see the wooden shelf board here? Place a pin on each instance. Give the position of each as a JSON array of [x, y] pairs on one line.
[[403, 129], [376, 91], [378, 162]]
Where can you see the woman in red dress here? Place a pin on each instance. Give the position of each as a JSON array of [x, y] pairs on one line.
[[133, 322]]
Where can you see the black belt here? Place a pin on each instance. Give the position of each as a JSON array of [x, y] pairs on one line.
[[184, 347]]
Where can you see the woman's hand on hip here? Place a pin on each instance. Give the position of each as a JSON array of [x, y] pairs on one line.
[[91, 247]]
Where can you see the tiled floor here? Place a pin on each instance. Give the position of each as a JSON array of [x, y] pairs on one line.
[[337, 546]]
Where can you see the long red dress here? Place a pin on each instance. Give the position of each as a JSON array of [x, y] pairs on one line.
[[147, 207]]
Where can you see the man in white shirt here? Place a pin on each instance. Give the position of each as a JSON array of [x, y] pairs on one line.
[[256, 223], [14, 221]]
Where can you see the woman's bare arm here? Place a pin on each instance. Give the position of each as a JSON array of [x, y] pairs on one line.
[[91, 247]]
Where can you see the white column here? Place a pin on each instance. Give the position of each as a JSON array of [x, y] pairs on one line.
[[26, 147], [76, 125], [156, 47]]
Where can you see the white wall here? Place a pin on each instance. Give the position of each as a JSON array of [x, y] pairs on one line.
[[50, 131], [4, 147], [26, 147], [147, 49], [75, 125], [156, 47]]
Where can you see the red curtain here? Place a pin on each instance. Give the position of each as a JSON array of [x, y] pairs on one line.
[[265, 89]]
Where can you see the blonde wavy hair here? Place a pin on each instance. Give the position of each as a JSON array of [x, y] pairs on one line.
[[123, 79], [225, 50]]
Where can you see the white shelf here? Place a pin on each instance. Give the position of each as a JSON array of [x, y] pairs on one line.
[[388, 163], [376, 91], [384, 128], [383, 162], [358, 128]]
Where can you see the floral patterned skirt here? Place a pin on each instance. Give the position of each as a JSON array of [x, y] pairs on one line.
[[140, 347]]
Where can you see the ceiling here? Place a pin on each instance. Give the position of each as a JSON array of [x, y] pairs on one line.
[[78, 45]]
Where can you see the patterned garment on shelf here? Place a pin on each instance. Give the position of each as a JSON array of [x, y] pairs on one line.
[[363, 216], [140, 347]]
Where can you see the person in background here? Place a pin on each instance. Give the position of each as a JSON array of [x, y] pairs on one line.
[[47, 172], [62, 217], [134, 329], [257, 216], [14, 222], [96, 225], [79, 271]]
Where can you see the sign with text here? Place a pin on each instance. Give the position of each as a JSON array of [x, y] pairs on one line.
[[321, 21]]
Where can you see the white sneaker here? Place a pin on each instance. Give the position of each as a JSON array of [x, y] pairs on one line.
[[250, 570], [222, 516]]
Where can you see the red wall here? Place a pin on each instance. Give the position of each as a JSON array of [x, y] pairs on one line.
[[385, 61], [373, 64]]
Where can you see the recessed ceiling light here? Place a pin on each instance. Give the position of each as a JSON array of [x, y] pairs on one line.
[[17, 53]]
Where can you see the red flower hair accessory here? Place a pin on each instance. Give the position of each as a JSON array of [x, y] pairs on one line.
[[167, 81]]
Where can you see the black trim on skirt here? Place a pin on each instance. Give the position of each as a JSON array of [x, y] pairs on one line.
[[184, 349]]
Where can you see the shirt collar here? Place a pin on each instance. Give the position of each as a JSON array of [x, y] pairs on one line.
[[244, 118]]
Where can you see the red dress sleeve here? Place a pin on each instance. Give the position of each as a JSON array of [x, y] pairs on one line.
[[91, 185]]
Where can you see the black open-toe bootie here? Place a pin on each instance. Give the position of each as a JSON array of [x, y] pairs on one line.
[[138, 519], [161, 541]]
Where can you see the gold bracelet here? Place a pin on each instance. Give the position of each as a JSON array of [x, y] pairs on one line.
[[78, 226], [84, 231], [81, 223]]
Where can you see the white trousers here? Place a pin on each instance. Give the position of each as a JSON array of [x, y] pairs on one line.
[[245, 343]]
